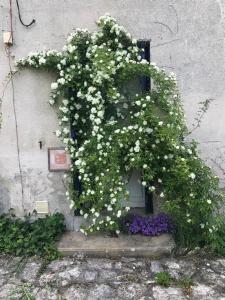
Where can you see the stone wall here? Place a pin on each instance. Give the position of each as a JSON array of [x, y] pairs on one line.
[[187, 37]]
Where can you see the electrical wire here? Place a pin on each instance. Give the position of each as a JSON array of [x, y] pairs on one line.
[[11, 23], [8, 54], [21, 21]]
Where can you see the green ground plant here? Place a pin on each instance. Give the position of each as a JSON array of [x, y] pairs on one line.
[[29, 236], [23, 292], [165, 279]]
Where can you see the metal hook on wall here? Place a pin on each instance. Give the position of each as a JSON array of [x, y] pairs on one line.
[[21, 21]]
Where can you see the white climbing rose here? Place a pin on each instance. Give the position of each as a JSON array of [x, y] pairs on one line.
[[192, 175], [54, 85]]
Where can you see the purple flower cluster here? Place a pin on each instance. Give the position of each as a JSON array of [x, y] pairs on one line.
[[151, 226]]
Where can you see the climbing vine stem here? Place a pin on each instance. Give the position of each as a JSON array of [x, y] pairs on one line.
[[116, 132]]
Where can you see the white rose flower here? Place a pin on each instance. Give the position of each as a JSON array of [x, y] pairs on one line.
[[138, 103], [64, 109], [42, 61], [61, 81], [93, 110], [149, 130], [65, 102], [66, 141], [65, 119], [63, 61], [85, 216], [136, 149], [58, 133], [109, 208], [97, 121], [54, 85], [192, 175], [97, 214], [51, 101], [113, 201], [66, 130], [119, 214], [100, 114]]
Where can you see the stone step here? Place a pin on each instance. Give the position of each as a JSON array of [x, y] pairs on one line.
[[96, 245]]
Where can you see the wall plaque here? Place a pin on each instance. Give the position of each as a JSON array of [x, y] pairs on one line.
[[58, 160]]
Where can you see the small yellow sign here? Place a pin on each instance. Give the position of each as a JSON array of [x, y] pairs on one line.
[[42, 207]]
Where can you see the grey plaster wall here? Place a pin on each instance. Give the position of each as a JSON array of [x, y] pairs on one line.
[[187, 38]]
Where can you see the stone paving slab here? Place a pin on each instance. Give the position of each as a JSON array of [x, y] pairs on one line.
[[75, 278], [124, 245]]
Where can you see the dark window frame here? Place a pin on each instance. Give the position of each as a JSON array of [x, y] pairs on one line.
[[146, 86]]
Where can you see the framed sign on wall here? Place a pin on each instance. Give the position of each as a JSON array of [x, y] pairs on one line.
[[58, 160]]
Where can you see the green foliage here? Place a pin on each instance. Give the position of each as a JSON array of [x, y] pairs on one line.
[[216, 244], [185, 282], [22, 292], [31, 237], [164, 278], [118, 131]]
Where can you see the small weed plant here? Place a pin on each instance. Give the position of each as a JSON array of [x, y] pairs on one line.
[[164, 278]]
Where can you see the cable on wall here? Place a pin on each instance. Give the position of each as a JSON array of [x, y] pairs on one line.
[[8, 54], [10, 15], [20, 18]]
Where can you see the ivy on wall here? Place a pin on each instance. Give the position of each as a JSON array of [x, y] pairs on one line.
[[112, 136]]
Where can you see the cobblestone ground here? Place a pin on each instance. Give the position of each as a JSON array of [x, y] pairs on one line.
[[124, 278]]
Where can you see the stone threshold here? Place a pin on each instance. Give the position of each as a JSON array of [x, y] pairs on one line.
[[96, 245]]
